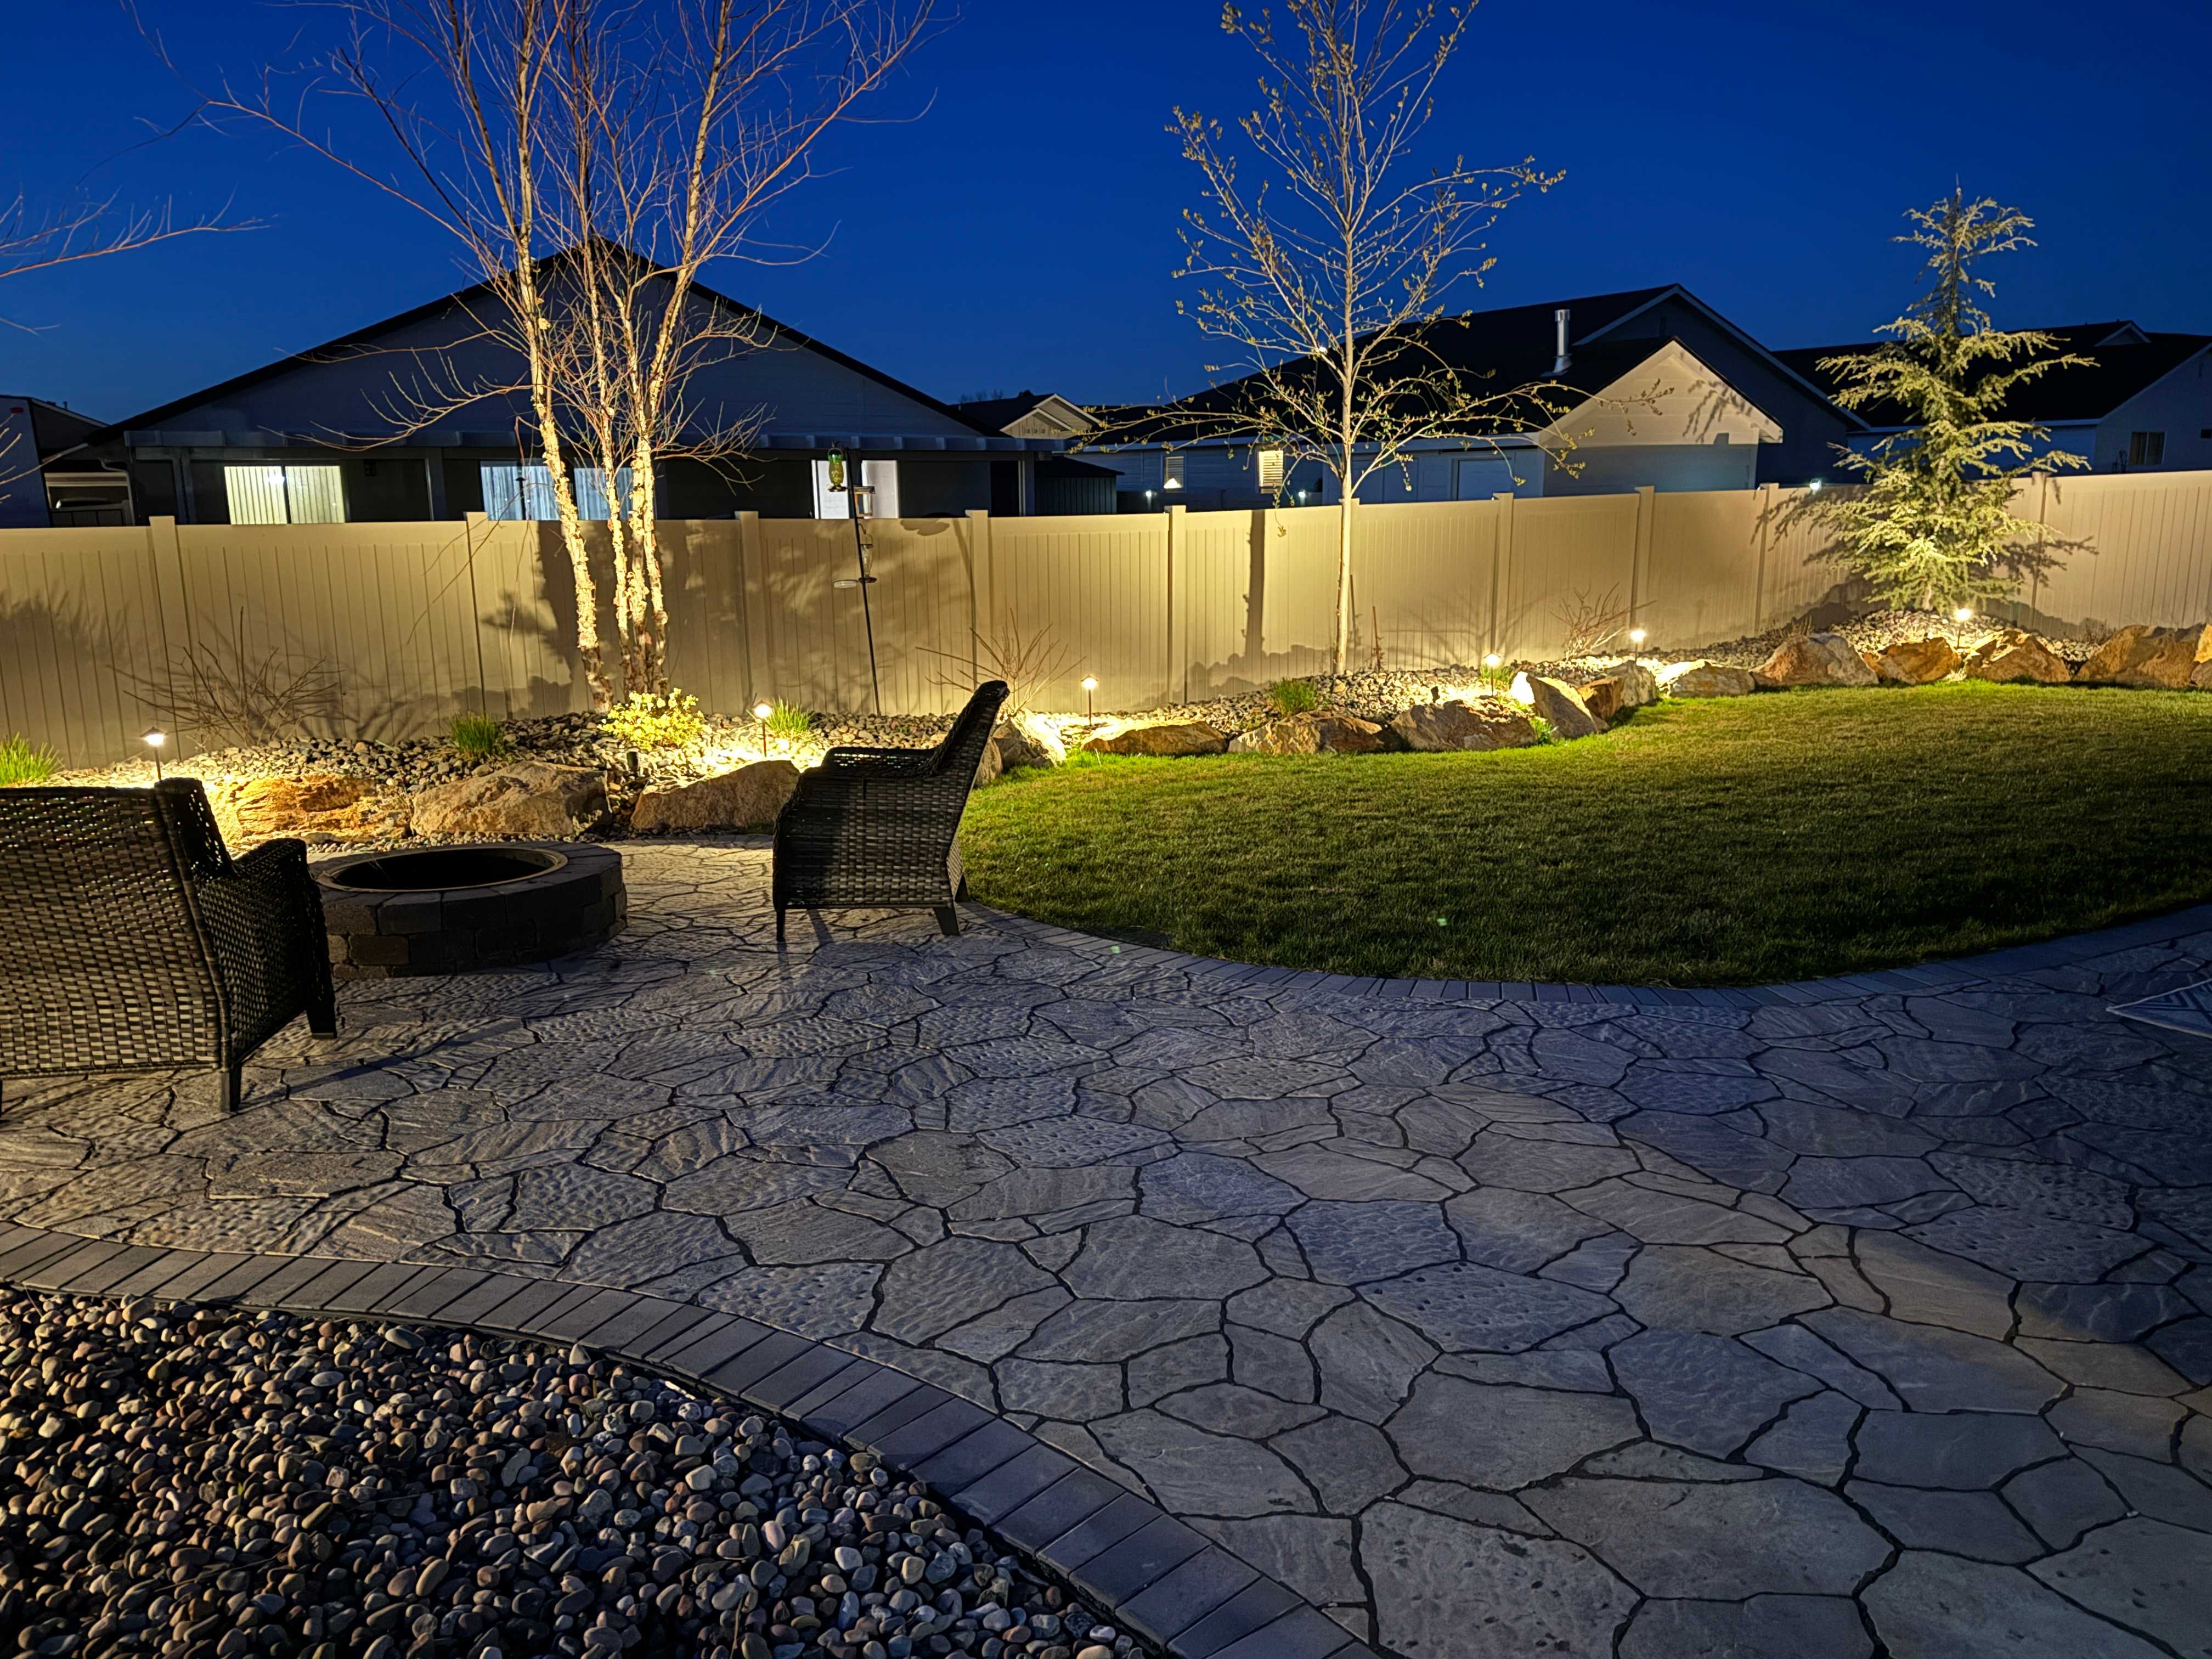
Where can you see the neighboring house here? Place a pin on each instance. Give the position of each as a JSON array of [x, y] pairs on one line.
[[45, 478], [1659, 390], [1063, 484], [2145, 405], [322, 435]]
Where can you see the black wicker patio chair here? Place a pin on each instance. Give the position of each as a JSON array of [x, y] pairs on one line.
[[133, 941], [879, 828]]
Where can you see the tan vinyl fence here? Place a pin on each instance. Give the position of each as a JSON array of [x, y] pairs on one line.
[[424, 621]]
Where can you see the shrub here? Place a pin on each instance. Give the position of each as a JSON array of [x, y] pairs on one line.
[[23, 762], [789, 722], [1545, 731], [479, 738], [646, 719], [1288, 698]]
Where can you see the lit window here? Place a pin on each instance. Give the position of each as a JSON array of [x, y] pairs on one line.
[[518, 492], [1171, 471], [592, 503], [880, 480], [2146, 448], [1271, 469], [284, 495]]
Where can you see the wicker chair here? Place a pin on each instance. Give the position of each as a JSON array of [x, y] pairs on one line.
[[133, 942], [877, 828]]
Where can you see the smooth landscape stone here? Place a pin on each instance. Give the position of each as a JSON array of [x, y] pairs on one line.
[[2144, 1574], [1929, 1606], [1672, 1287], [1446, 1590], [1963, 1450], [1464, 1308], [1722, 1541], [1501, 1436], [1707, 1393], [1764, 1627]]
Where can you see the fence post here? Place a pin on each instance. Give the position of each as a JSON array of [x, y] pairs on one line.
[[753, 566], [1639, 552], [471, 524], [174, 596], [1176, 562], [1768, 496], [983, 587], [1501, 556]]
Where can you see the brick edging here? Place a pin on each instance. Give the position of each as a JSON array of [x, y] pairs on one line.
[[1152, 1574]]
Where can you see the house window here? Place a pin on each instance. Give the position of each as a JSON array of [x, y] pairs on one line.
[[284, 495], [1171, 471], [879, 478], [592, 503], [2146, 448], [1271, 470], [518, 492]]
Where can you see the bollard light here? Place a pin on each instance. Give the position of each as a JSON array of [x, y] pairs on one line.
[[1090, 686], [1636, 638], [761, 711], [1963, 614], [154, 738]]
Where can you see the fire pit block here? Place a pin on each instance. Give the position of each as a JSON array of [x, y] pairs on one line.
[[452, 909]]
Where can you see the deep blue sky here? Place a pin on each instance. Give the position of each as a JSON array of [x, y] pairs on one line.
[[1019, 231]]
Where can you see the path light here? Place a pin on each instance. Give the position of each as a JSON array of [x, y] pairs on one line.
[[761, 711], [1814, 486], [1090, 686], [1636, 638], [1963, 614], [154, 738]]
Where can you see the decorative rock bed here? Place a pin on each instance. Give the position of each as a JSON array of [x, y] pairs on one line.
[[189, 1480], [447, 911]]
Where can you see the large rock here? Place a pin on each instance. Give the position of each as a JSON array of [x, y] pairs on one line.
[[2011, 656], [1705, 679], [1027, 740], [1311, 734], [1814, 660], [1626, 685], [2162, 658], [1917, 662], [1433, 727], [747, 799], [1173, 739], [533, 800], [321, 807], [1558, 702]]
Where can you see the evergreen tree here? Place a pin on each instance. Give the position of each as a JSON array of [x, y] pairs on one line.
[[1933, 523]]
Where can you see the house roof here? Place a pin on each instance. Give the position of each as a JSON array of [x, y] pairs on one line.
[[999, 413], [1500, 350], [2115, 373], [54, 429], [475, 291]]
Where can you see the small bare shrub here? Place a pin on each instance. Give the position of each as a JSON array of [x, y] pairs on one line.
[[1027, 660], [1588, 622], [223, 693]]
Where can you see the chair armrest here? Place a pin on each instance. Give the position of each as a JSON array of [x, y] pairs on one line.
[[862, 756], [264, 920]]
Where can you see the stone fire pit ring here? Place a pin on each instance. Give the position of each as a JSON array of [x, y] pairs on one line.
[[457, 909]]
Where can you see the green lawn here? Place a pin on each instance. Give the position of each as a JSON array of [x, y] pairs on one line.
[[1730, 841]]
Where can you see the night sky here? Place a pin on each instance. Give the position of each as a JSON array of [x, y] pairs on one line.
[[1011, 221]]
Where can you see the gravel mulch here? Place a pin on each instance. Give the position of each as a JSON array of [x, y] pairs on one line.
[[187, 1481]]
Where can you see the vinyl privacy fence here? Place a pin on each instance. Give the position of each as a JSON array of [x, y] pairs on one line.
[[423, 621]]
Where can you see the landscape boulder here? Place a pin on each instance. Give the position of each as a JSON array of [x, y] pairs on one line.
[[2160, 658], [531, 800], [1705, 679], [1559, 703], [1433, 727], [1626, 685], [322, 808], [1917, 662], [1804, 660], [1173, 739], [747, 799], [1311, 734], [1027, 739], [2011, 657]]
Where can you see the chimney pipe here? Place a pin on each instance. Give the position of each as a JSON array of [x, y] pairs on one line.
[[1565, 358]]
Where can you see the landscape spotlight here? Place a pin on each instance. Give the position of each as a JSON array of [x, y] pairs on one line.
[[761, 711], [1965, 613], [1636, 638], [1090, 686], [154, 736]]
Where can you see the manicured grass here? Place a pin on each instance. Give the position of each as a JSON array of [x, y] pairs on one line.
[[1731, 841]]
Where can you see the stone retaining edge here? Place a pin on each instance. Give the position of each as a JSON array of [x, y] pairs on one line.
[[1153, 1575]]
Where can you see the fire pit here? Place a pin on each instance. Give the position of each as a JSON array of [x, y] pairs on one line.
[[449, 910]]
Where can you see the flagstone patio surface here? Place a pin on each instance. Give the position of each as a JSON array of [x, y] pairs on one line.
[[1493, 1327]]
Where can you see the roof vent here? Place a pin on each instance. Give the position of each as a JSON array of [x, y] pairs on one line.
[[1560, 317]]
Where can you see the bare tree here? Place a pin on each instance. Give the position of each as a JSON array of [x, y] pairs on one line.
[[1330, 276], [593, 157]]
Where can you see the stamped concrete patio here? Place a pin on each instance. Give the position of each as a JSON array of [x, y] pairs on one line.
[[1781, 1325]]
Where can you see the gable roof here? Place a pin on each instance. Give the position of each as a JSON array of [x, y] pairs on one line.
[[999, 414], [1502, 350], [477, 291], [2071, 394]]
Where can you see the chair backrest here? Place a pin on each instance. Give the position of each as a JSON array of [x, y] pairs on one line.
[[961, 750], [101, 951]]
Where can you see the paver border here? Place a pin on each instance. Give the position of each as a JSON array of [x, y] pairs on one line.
[[1152, 1574]]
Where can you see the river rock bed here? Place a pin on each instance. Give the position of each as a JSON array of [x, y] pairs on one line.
[[187, 1480]]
